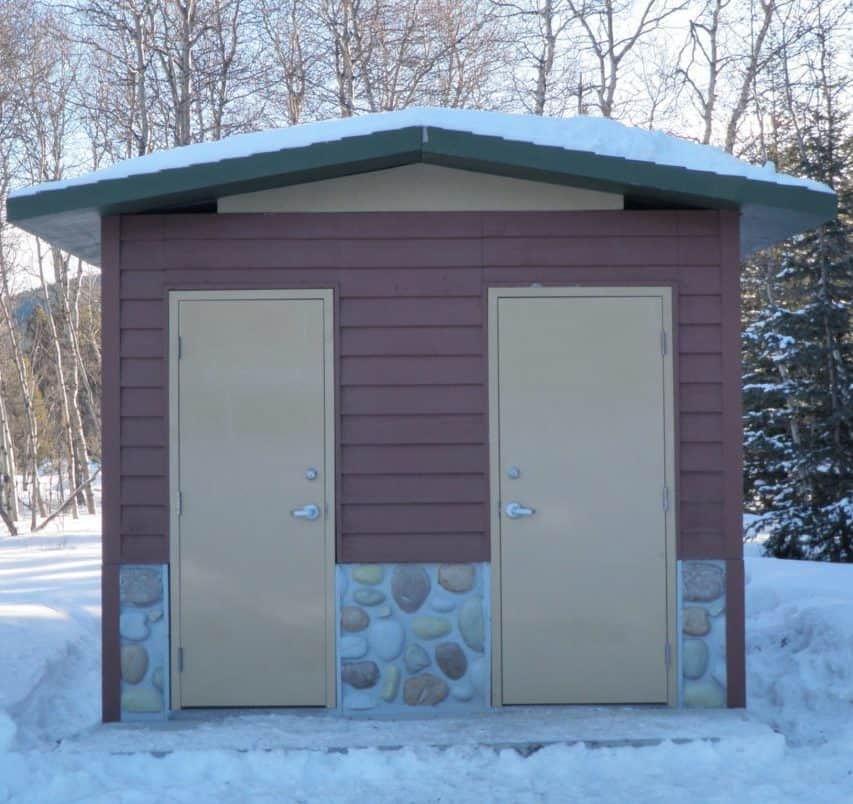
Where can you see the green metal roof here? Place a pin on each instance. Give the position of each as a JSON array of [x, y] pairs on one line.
[[68, 213]]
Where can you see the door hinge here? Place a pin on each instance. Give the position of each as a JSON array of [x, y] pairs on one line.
[[180, 347], [663, 342], [665, 498], [180, 503], [667, 654], [180, 660]]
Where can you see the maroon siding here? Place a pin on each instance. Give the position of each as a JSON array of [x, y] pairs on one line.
[[411, 293], [111, 481], [412, 418]]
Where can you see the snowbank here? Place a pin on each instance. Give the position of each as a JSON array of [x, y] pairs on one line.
[[50, 611], [800, 647], [800, 657], [7, 732], [594, 134]]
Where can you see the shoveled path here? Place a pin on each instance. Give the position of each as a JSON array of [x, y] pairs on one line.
[[525, 729]]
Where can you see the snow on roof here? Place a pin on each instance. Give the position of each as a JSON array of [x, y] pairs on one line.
[[592, 134]]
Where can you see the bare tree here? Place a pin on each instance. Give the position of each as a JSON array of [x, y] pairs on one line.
[[545, 69], [701, 54], [612, 30], [338, 19], [472, 55], [755, 60], [290, 30], [118, 101], [25, 386]]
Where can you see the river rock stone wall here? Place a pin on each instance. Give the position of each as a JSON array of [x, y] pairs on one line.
[[412, 637], [144, 640], [703, 633]]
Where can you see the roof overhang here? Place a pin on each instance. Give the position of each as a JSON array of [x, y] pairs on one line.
[[69, 216]]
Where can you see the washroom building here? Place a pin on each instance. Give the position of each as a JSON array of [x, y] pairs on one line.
[[428, 410]]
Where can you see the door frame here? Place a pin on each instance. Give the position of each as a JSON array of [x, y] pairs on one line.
[[326, 295], [665, 294]]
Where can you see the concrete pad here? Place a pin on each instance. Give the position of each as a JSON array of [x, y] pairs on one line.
[[523, 729]]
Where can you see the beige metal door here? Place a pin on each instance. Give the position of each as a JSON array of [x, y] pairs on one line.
[[251, 473], [583, 436]]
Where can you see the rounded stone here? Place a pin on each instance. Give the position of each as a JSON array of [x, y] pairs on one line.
[[442, 603], [391, 683], [369, 574], [157, 678], [430, 627], [134, 663], [472, 625], [694, 658], [386, 639], [368, 597], [382, 611], [424, 690], [463, 691], [702, 582], [133, 625], [704, 693], [140, 586], [409, 586], [361, 675], [456, 577], [695, 621], [354, 619], [353, 647], [416, 658], [451, 659], [141, 699]]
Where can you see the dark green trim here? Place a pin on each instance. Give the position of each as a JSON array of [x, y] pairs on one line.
[[208, 181], [775, 210], [609, 173]]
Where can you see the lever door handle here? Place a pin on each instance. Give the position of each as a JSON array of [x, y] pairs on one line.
[[310, 512], [516, 510]]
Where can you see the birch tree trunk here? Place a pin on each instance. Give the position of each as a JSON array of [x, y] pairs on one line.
[[62, 389], [8, 469], [754, 63], [69, 297], [27, 397]]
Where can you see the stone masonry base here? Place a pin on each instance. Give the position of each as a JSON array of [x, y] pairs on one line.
[[703, 633], [144, 631], [413, 637]]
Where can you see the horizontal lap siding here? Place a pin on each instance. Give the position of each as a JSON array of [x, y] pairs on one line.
[[413, 430], [412, 419]]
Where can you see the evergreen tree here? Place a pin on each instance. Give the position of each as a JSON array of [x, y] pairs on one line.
[[798, 351]]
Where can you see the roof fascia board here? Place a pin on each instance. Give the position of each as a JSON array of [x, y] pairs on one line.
[[205, 182], [608, 172], [772, 211], [194, 183]]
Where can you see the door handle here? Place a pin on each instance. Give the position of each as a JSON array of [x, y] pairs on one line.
[[516, 510], [309, 512]]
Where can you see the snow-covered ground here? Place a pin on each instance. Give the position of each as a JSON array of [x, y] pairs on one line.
[[800, 642]]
